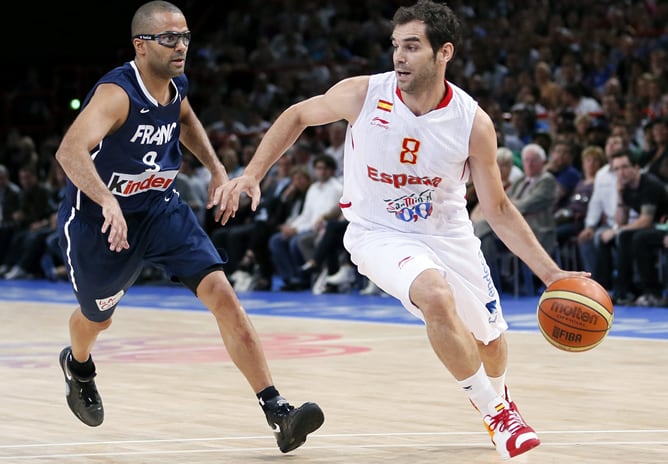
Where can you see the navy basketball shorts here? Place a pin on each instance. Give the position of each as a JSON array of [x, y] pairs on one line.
[[171, 239]]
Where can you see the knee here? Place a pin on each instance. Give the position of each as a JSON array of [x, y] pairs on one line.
[[217, 294], [104, 325], [586, 246], [295, 245], [274, 241], [494, 347], [79, 320], [439, 305]]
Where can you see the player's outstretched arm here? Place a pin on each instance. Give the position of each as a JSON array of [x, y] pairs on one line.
[[344, 100], [504, 218]]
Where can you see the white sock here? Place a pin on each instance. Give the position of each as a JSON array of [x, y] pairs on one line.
[[480, 391], [499, 384]]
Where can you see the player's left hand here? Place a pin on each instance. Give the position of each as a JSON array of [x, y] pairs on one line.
[[114, 222]]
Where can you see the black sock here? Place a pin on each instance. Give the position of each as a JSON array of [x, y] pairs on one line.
[[82, 370], [267, 394]]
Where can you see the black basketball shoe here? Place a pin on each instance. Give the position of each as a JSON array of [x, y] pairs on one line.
[[81, 393], [291, 425]]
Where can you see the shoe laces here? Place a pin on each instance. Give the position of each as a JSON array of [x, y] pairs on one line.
[[279, 407], [506, 420]]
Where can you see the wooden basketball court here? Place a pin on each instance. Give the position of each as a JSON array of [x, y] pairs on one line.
[[171, 394]]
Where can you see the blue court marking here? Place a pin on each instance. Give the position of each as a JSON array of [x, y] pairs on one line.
[[520, 313]]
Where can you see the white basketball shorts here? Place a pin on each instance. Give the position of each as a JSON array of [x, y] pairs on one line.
[[392, 260]]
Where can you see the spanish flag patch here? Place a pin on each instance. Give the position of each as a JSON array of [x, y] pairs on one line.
[[384, 105]]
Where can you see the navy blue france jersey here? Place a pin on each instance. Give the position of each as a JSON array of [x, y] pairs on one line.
[[139, 161]]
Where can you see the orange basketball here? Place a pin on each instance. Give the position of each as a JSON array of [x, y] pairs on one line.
[[575, 314]]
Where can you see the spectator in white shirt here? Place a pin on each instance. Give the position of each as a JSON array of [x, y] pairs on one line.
[[601, 208], [287, 246]]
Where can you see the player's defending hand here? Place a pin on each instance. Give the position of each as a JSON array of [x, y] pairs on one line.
[[227, 196], [114, 222]]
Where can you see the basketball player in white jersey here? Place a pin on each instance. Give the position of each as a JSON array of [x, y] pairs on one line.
[[413, 140]]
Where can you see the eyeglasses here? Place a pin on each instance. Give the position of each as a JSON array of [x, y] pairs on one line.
[[167, 39]]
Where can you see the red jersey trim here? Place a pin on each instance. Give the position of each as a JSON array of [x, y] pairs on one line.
[[446, 98]]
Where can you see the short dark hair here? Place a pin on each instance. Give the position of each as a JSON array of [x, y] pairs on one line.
[[330, 162], [570, 147], [441, 23], [625, 152]]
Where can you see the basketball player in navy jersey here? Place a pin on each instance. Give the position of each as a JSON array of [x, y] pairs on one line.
[[121, 155], [413, 139]]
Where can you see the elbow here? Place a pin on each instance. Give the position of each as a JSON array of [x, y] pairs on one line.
[[61, 158], [295, 116], [63, 151]]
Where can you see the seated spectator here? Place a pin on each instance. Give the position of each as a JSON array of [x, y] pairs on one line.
[[534, 196], [510, 174], [612, 108], [542, 138], [644, 194], [288, 245], [9, 203], [654, 91], [597, 132], [522, 126], [246, 245], [287, 206], [621, 127], [51, 261], [582, 124], [34, 221], [635, 121], [644, 249], [331, 261], [560, 165], [304, 151], [655, 160], [548, 88], [570, 219], [573, 98], [22, 151], [601, 217]]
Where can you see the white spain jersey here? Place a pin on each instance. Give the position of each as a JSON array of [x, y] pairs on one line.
[[405, 172]]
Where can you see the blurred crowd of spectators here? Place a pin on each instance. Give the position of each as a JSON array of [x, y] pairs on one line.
[[565, 75]]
